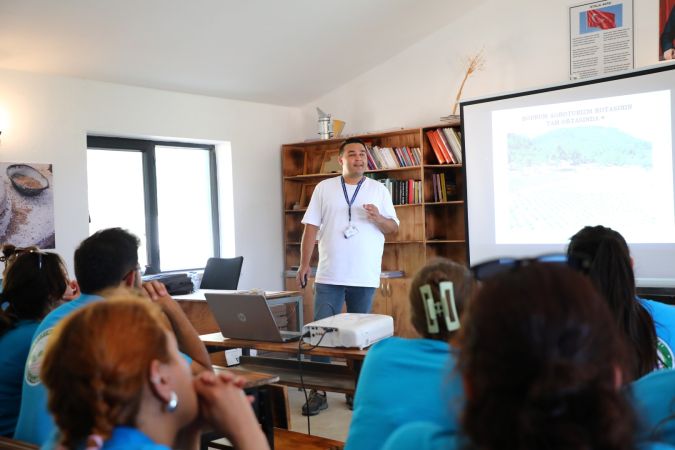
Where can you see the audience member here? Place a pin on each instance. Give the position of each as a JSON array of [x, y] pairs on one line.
[[33, 284], [649, 327], [404, 380], [542, 363], [115, 386], [10, 253], [107, 259], [654, 399]]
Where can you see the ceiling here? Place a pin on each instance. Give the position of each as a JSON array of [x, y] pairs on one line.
[[284, 52]]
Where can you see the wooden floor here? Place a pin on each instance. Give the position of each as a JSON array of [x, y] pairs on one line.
[[289, 440]]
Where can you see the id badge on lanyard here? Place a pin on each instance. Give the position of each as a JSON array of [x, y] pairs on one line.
[[351, 230]]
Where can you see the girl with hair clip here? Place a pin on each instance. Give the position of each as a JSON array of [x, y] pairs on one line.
[[542, 364], [33, 283], [116, 380], [648, 326], [403, 380]]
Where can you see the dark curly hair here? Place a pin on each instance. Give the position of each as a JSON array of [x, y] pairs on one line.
[[542, 360], [104, 258], [34, 283]]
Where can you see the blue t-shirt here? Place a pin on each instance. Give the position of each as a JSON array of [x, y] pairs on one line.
[[404, 380], [654, 399], [123, 438], [429, 436], [35, 424], [14, 346], [664, 323]]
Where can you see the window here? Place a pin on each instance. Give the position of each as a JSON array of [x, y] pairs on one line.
[[164, 192]]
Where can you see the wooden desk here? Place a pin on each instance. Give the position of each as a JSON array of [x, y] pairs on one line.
[[270, 408], [197, 310], [217, 340], [315, 375]]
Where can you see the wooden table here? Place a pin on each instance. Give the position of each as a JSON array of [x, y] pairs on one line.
[[197, 310], [315, 375], [268, 408]]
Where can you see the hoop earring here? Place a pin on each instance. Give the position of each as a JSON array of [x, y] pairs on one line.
[[172, 405]]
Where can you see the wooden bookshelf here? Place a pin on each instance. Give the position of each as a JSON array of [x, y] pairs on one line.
[[432, 227]]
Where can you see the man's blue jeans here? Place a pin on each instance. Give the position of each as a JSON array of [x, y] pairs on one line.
[[329, 298]]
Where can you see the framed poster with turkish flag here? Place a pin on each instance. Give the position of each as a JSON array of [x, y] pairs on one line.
[[666, 30], [601, 38]]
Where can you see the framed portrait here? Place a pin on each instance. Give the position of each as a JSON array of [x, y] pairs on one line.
[[666, 30]]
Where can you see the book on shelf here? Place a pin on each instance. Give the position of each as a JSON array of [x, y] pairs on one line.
[[455, 142], [444, 187], [435, 146], [403, 192], [447, 153], [382, 158], [443, 194]]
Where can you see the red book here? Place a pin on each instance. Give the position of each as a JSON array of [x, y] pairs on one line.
[[446, 147], [435, 146]]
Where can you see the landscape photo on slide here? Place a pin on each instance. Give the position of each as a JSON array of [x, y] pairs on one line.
[[602, 161]]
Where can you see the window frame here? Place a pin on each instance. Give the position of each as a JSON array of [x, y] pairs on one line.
[[147, 148]]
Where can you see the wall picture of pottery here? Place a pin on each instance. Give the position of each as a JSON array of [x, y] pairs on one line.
[[27, 205]]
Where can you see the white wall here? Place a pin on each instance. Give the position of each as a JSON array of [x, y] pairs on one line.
[[48, 118], [526, 45]]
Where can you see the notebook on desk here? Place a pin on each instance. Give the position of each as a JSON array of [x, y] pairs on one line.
[[247, 316]]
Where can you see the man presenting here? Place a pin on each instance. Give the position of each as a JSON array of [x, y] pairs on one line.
[[349, 215]]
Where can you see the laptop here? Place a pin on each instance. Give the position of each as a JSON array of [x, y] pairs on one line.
[[247, 316]]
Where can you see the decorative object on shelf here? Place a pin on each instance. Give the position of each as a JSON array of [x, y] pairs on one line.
[[325, 125], [338, 126], [473, 64], [330, 163]]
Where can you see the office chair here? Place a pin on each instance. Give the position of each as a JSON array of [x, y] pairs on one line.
[[222, 273]]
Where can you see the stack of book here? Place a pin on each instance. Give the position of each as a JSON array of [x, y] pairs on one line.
[[445, 189], [393, 158], [403, 192], [447, 145]]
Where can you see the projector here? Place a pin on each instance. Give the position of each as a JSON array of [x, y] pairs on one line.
[[349, 330]]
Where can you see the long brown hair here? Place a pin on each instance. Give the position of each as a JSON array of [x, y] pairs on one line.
[[436, 271], [33, 284], [540, 356], [611, 271], [97, 363]]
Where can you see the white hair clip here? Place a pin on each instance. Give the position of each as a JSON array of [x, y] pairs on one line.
[[445, 307]]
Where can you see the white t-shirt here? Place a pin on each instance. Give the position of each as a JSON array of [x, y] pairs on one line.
[[356, 261]]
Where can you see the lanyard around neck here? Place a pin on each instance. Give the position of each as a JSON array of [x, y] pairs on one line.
[[351, 202]]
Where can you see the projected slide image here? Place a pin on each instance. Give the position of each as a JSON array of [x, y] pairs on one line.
[[563, 166]]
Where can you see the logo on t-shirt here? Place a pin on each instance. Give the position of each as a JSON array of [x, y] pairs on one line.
[[664, 354], [35, 356]]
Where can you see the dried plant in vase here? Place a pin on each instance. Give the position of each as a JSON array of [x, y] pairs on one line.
[[473, 64]]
